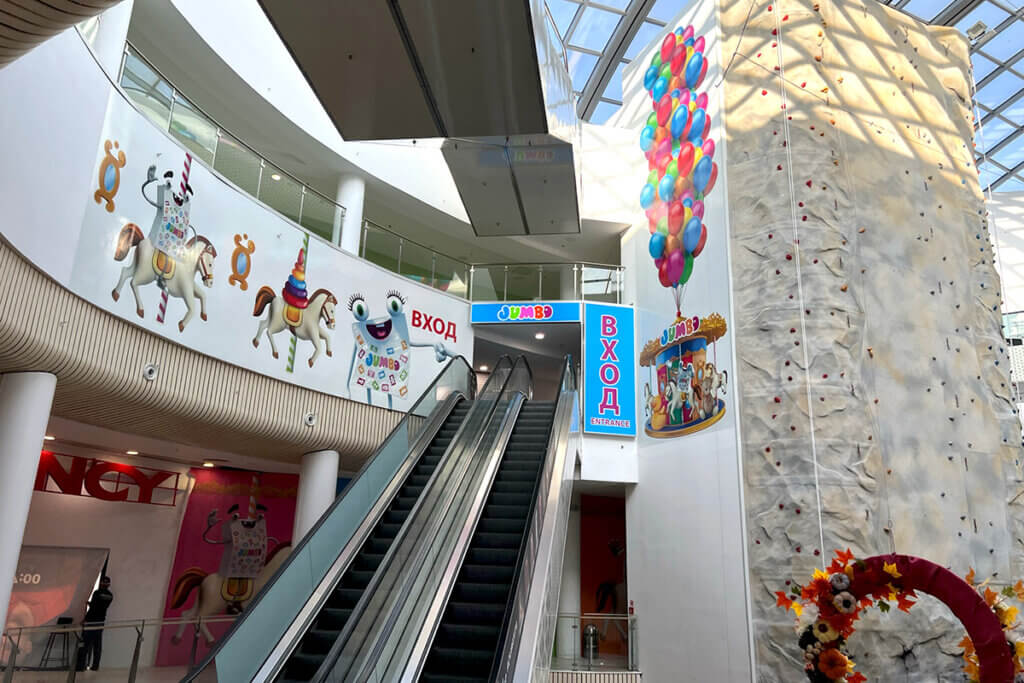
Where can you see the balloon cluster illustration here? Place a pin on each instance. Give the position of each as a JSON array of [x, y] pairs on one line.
[[679, 155]]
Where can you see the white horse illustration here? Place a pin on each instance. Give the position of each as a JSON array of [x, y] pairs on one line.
[[321, 307], [714, 382], [180, 282], [210, 602]]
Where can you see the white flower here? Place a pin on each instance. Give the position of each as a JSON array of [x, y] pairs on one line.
[[845, 603], [840, 582], [808, 616], [824, 632]]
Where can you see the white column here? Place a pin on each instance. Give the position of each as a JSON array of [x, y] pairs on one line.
[[351, 191], [25, 400], [318, 483], [567, 638], [111, 32]]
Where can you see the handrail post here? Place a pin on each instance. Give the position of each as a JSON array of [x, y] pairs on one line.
[[195, 642], [13, 659], [76, 652], [135, 655], [469, 290]]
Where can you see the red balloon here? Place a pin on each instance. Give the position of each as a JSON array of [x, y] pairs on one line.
[[658, 262], [664, 109], [667, 47], [703, 239], [685, 163], [663, 165], [707, 126], [703, 73], [675, 217], [663, 274], [712, 179], [678, 57]]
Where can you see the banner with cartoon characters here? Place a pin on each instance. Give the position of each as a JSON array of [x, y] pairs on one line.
[[235, 534], [168, 244]]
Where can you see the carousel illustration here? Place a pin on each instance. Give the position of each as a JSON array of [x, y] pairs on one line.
[[682, 394]]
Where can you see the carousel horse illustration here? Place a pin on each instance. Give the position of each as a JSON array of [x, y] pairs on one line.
[[713, 382], [168, 256], [301, 315], [245, 566]]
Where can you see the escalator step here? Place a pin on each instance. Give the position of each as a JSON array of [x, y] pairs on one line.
[[506, 499], [505, 511], [476, 613], [482, 573], [333, 618], [467, 634], [405, 502], [396, 516], [346, 597], [357, 578], [319, 641], [505, 526], [388, 530], [524, 476], [481, 592], [496, 556], [464, 660], [368, 561], [446, 678], [490, 539]]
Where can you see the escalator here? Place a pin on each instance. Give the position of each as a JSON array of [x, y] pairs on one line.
[[331, 620], [467, 638]]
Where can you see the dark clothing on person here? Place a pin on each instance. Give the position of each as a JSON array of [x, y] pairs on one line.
[[92, 639]]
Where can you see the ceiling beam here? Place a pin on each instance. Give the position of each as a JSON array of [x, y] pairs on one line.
[[610, 57], [954, 12]]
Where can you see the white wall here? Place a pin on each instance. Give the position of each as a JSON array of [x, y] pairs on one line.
[[1006, 222], [141, 539], [566, 637]]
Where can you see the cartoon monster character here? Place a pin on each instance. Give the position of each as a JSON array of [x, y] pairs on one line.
[[245, 552], [380, 358]]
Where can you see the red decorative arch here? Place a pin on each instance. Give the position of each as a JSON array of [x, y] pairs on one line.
[[960, 597]]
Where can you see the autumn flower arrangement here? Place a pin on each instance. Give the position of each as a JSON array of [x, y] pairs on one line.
[[1000, 603], [829, 606]]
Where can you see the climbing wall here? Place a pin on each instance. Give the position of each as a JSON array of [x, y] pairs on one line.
[[872, 375]]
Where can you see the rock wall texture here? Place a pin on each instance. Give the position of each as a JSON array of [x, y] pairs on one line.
[[875, 402]]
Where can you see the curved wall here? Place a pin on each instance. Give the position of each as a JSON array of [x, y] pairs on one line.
[[78, 155]]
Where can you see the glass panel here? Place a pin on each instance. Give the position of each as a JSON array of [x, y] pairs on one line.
[[380, 247], [89, 30], [583, 642], [1005, 43], [666, 10], [488, 283], [613, 91], [594, 28], [1010, 156], [280, 192], [998, 89], [580, 66], [989, 174], [557, 282], [562, 11], [417, 263], [237, 163], [992, 133], [523, 283], [986, 12], [982, 66], [601, 284], [191, 127], [644, 35], [320, 215], [925, 9], [450, 275], [603, 111], [150, 93]]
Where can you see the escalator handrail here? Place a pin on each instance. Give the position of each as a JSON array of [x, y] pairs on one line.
[[509, 637], [211, 656], [333, 654], [424, 642]]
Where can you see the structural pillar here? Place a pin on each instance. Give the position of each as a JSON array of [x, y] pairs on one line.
[[25, 400], [318, 483], [347, 230]]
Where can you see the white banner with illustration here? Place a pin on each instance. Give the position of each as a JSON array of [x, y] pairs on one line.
[[168, 245]]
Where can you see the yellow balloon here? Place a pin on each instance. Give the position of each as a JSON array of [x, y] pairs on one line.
[[693, 105], [675, 104], [689, 53], [687, 214], [679, 40], [697, 154]]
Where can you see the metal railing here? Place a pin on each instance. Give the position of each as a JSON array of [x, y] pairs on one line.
[[589, 642], [21, 651], [156, 98]]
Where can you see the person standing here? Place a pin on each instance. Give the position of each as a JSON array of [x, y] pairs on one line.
[[96, 615]]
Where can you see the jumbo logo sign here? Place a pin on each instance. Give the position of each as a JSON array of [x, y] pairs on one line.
[[513, 313], [74, 476]]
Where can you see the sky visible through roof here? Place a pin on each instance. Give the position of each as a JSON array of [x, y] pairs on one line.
[[602, 36]]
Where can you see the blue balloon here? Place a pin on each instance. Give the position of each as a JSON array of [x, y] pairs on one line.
[[689, 42], [679, 31], [647, 138], [692, 71], [702, 174], [656, 246], [647, 195], [666, 188], [691, 235], [677, 93], [660, 88], [688, 202], [678, 121], [697, 126], [650, 76]]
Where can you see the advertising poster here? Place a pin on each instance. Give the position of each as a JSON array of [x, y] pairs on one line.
[[168, 245], [603, 570], [235, 534], [50, 583]]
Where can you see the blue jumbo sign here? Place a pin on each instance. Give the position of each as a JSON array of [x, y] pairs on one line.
[[526, 312], [609, 375]]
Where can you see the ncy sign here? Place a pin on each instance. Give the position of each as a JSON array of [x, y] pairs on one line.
[[609, 389], [112, 481]]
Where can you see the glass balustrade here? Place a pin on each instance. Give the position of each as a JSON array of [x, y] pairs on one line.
[[157, 99]]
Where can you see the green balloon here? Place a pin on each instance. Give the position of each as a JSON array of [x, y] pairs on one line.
[[652, 177], [652, 120], [666, 72], [687, 269], [656, 61], [663, 227], [673, 169]]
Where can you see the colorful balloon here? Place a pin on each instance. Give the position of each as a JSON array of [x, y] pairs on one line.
[[666, 188], [664, 109], [673, 245], [663, 226], [663, 275], [712, 179], [685, 164], [656, 247], [687, 33], [698, 153], [650, 76], [663, 165], [691, 235], [667, 46], [675, 262], [647, 196], [660, 133], [659, 88], [679, 31], [692, 73], [658, 262], [707, 126], [683, 183], [703, 73], [687, 270], [678, 57], [675, 217], [697, 124], [702, 101], [646, 138], [702, 242], [680, 117], [666, 71], [672, 169], [702, 174], [698, 44], [664, 147], [698, 209], [656, 60], [709, 148], [687, 214]]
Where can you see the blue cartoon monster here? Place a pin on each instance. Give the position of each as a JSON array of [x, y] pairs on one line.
[[381, 355]]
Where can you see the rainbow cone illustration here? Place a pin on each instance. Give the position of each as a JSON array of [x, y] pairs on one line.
[[294, 291]]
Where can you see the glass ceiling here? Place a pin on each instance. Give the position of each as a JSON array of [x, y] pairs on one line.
[[602, 36]]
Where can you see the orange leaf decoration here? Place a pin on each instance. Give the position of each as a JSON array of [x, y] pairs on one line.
[[783, 600], [970, 577], [856, 677], [990, 597]]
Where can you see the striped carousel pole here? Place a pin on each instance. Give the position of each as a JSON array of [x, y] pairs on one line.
[[294, 341], [252, 495], [162, 308]]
